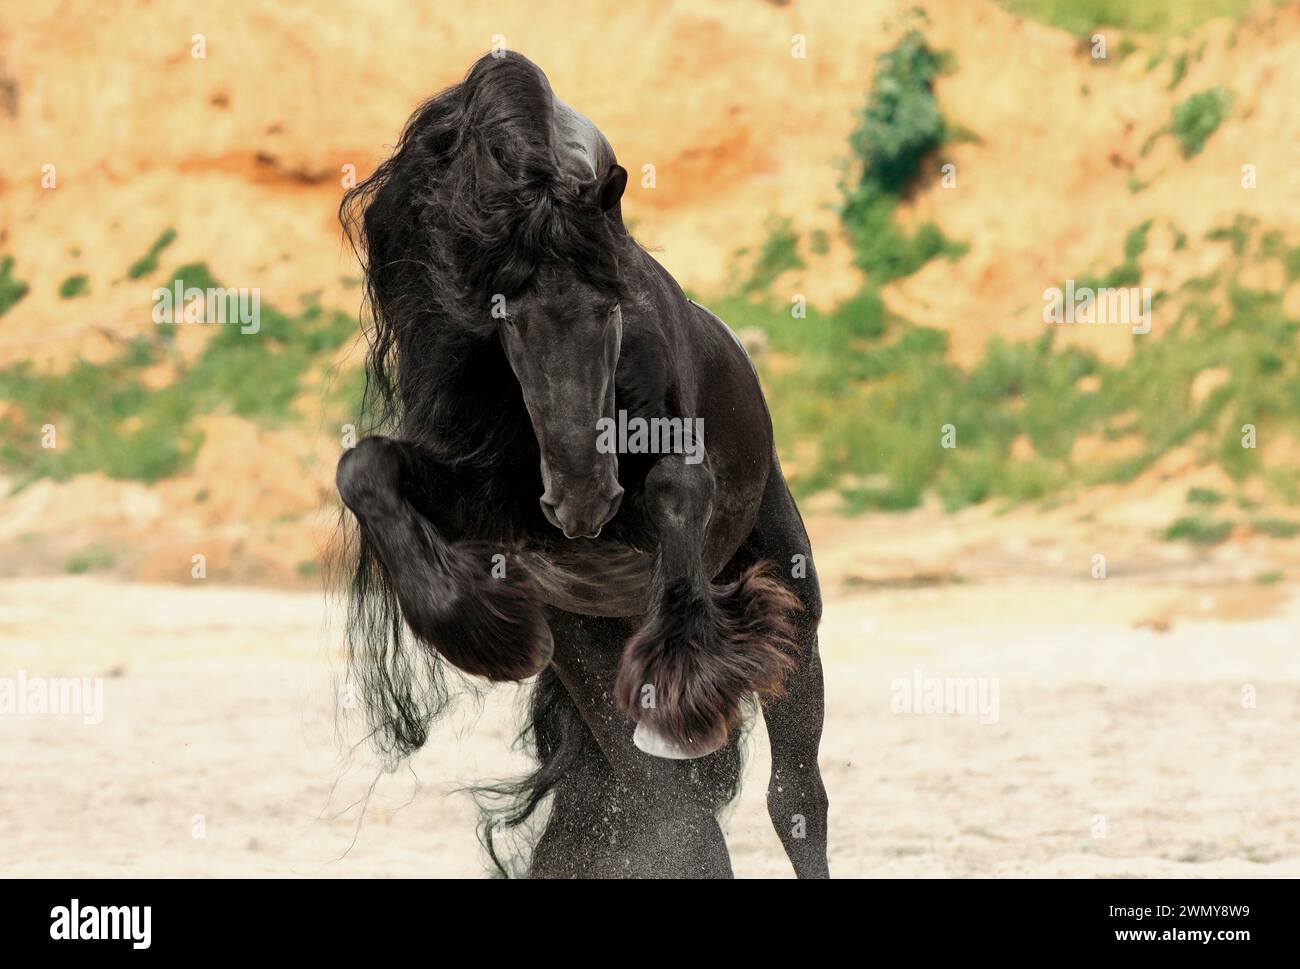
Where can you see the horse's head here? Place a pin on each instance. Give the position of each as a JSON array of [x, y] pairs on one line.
[[500, 197], [562, 339]]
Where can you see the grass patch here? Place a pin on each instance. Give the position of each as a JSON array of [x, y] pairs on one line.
[[11, 289], [1290, 263], [1236, 235], [1179, 70], [884, 252], [148, 263], [1128, 272], [1276, 527], [779, 253], [74, 286], [1198, 531], [1082, 17], [93, 561], [1204, 496]]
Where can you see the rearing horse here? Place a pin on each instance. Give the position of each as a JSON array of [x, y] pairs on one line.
[[651, 594]]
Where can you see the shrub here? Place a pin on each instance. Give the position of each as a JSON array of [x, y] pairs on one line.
[[74, 286], [1199, 117], [899, 126]]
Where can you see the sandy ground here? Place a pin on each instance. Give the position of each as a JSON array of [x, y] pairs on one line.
[[1121, 742]]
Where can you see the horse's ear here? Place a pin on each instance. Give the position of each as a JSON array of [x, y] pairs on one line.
[[611, 189]]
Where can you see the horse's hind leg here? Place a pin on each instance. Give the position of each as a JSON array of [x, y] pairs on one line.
[[583, 837], [666, 810], [584, 832], [796, 796], [485, 624]]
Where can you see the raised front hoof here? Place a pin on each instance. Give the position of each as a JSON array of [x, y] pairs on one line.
[[652, 742], [697, 659]]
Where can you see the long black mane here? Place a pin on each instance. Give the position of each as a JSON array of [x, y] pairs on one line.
[[474, 201]]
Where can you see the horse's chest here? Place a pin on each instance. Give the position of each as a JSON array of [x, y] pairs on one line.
[[592, 578]]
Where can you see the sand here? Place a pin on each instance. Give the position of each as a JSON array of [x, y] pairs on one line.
[[1119, 745]]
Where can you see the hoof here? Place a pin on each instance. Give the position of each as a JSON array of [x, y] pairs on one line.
[[702, 652], [650, 741]]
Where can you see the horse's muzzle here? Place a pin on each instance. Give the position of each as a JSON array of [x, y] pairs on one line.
[[584, 518]]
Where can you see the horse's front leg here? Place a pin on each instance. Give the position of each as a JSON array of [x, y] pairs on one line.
[[701, 648], [453, 594]]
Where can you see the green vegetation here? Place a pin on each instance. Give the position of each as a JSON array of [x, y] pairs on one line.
[[96, 560], [901, 122], [148, 263], [108, 419], [862, 398], [1238, 235], [11, 289], [1290, 262], [1180, 70], [1082, 17], [1128, 272], [1198, 530], [1276, 527], [898, 128], [779, 253], [74, 286], [1199, 117]]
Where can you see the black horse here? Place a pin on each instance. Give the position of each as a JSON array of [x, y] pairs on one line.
[[652, 591]]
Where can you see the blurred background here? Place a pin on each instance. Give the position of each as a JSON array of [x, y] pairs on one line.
[[876, 196]]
